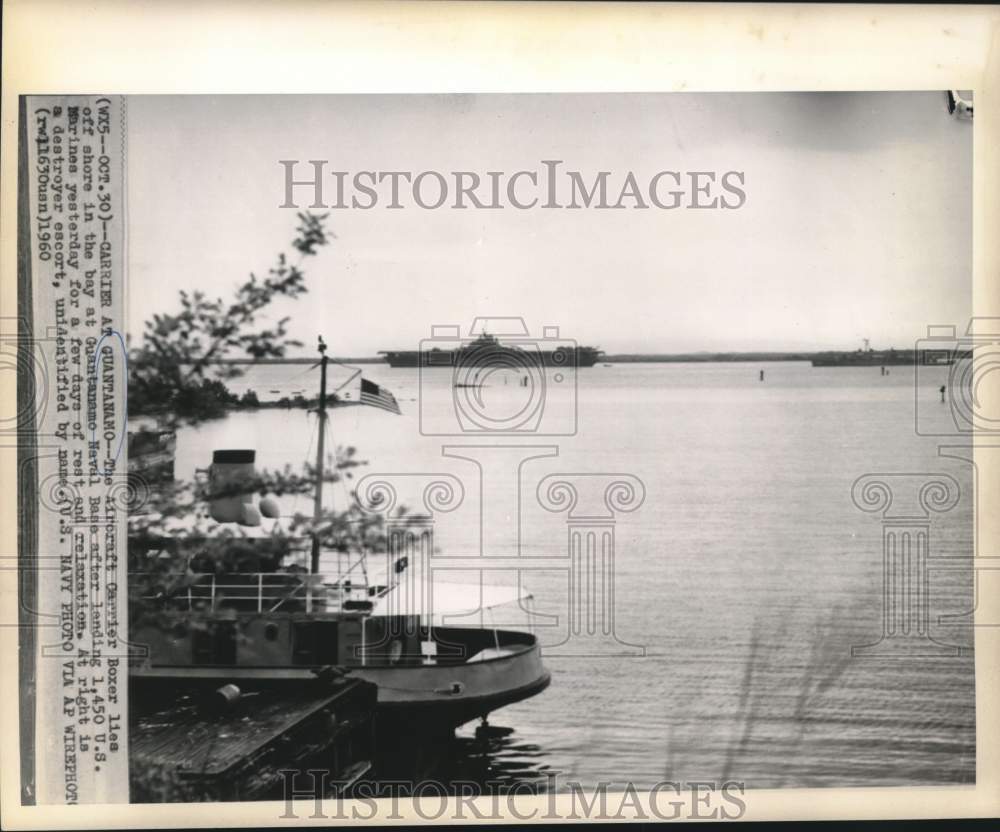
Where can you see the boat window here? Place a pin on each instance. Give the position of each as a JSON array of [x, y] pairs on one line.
[[314, 642], [215, 644]]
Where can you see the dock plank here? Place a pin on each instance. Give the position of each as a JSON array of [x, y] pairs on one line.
[[187, 737]]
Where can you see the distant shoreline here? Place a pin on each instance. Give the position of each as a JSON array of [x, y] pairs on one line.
[[616, 358], [704, 357], [220, 399]]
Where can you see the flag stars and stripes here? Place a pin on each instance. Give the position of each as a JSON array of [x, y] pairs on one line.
[[372, 394]]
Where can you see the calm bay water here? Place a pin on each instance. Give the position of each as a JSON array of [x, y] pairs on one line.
[[745, 577]]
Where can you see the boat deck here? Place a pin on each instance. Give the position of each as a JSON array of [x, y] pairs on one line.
[[237, 754]]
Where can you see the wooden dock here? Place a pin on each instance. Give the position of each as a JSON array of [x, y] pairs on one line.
[[205, 748]]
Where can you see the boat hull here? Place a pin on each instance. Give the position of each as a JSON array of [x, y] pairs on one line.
[[459, 693], [443, 695]]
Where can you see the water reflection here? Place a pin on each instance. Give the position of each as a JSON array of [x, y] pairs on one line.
[[469, 765]]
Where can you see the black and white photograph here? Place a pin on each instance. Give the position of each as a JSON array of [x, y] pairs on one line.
[[617, 454]]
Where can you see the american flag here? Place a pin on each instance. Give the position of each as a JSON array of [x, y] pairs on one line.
[[377, 396], [368, 392], [358, 390]]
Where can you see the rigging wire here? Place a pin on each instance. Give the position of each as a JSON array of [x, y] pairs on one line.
[[312, 437], [299, 375]]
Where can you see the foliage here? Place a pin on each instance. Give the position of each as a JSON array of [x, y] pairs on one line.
[[249, 399], [173, 519], [175, 375], [206, 399], [175, 372]]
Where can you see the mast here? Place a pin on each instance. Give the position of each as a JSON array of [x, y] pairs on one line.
[[318, 498]]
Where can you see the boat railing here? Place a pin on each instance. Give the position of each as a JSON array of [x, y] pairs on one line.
[[261, 592]]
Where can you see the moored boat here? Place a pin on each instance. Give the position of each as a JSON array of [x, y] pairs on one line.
[[260, 630], [198, 620]]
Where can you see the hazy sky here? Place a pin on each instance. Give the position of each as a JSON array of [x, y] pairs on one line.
[[857, 221]]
